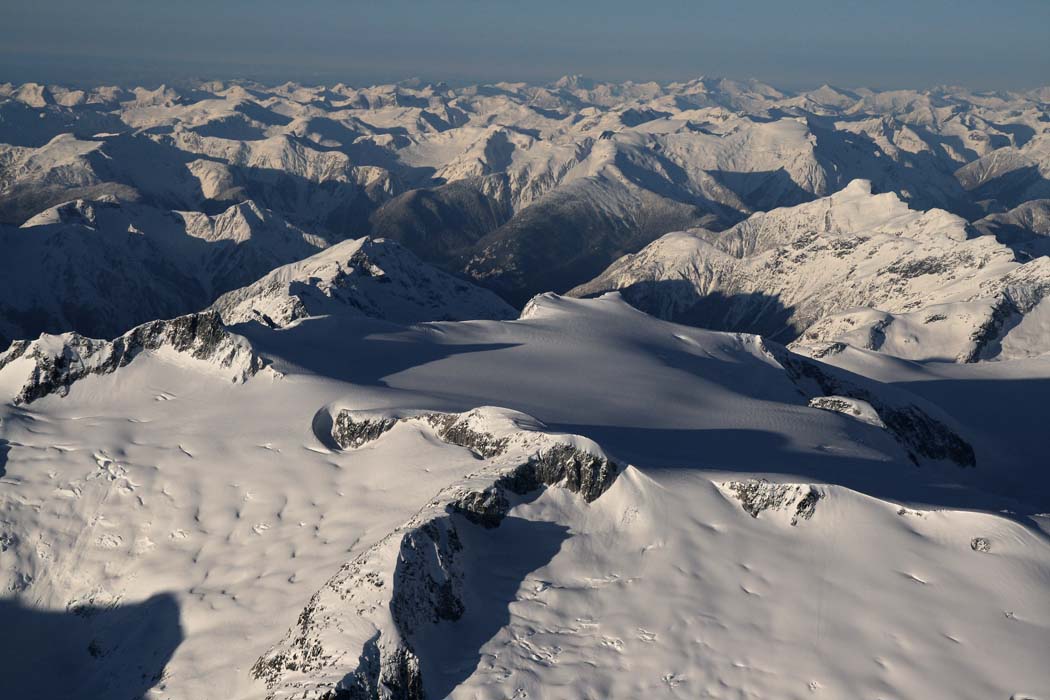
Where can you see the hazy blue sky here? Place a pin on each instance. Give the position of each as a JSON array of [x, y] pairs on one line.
[[877, 43]]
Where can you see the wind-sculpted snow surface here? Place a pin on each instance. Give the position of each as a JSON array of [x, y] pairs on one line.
[[415, 577], [52, 363]]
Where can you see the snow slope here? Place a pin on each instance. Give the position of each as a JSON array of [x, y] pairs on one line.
[[854, 267], [181, 534], [373, 278]]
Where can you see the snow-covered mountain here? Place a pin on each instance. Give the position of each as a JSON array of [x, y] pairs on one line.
[[523, 188], [102, 267], [360, 520], [855, 267], [371, 278]]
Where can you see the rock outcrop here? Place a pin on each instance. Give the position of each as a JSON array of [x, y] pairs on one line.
[[759, 495], [53, 363], [355, 637]]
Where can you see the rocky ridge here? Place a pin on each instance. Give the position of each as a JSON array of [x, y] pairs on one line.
[[355, 637], [53, 363]]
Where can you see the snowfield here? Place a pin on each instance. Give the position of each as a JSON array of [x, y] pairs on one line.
[[175, 527]]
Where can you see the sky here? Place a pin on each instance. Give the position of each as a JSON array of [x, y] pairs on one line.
[[792, 44]]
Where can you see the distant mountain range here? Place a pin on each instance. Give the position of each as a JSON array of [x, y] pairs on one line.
[[520, 188]]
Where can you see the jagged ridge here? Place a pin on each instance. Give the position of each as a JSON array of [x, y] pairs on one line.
[[414, 576], [57, 362]]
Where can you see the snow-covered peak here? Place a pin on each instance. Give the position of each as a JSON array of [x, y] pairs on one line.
[[373, 278], [784, 272], [852, 211], [32, 369], [77, 211], [34, 95], [248, 221]]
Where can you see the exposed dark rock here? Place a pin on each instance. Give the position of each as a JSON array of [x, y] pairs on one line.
[[805, 507], [830, 403], [486, 508], [418, 596], [576, 470], [454, 428], [350, 434], [915, 429], [757, 495], [579, 471], [201, 335], [991, 330]]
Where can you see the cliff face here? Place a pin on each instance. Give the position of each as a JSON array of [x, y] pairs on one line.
[[377, 604], [53, 363]]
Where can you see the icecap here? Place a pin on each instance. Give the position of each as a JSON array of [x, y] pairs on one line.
[[162, 517]]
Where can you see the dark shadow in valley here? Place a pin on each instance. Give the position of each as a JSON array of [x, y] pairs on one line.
[[742, 312], [1013, 188], [922, 179], [1021, 133], [570, 235], [439, 223], [763, 190], [87, 652], [5, 449], [234, 127], [677, 300], [673, 183]]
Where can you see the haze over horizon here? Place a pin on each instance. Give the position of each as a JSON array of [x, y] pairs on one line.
[[895, 44]]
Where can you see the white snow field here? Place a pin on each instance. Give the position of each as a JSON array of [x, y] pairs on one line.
[[644, 510]]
